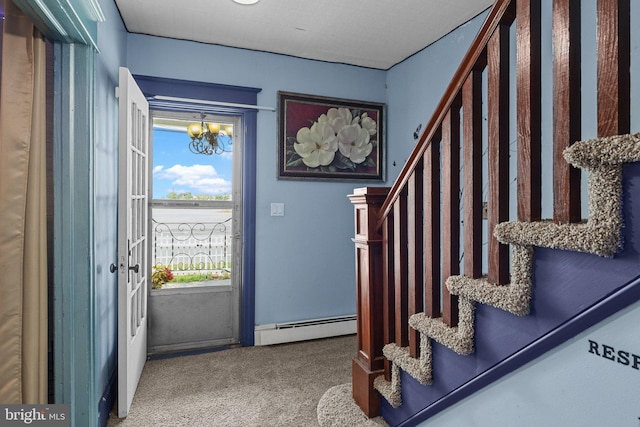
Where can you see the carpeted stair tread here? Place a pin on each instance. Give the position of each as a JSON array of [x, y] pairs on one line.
[[514, 298], [420, 369], [459, 339], [390, 390]]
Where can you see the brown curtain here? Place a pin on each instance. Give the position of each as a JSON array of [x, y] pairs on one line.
[[23, 235]]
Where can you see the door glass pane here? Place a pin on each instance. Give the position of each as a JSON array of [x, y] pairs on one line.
[[179, 174], [195, 244], [192, 207]]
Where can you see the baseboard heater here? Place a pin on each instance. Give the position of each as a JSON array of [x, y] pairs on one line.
[[278, 333]]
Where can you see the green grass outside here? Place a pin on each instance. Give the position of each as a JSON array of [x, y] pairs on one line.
[[200, 277]]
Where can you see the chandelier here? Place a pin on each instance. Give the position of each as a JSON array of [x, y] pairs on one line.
[[209, 138]]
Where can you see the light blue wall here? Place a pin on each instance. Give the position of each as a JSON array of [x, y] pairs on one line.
[[415, 87], [112, 45], [304, 260]]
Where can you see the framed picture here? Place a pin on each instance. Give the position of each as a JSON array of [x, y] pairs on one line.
[[329, 138]]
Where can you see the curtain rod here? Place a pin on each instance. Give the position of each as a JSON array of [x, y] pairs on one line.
[[218, 103]]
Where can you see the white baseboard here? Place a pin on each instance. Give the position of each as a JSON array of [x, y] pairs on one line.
[[278, 333]]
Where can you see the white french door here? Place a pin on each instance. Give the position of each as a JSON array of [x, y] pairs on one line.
[[133, 269]]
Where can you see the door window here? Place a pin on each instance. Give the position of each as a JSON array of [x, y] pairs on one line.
[[192, 228]]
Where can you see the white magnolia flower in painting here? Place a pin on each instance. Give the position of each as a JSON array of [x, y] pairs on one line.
[[369, 124], [353, 142], [316, 145], [339, 118]]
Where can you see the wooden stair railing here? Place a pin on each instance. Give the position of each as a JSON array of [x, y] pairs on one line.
[[410, 238]]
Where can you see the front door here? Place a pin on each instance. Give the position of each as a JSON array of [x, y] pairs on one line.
[[195, 233], [132, 237]]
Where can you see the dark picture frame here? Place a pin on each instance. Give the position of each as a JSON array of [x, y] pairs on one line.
[[322, 138]]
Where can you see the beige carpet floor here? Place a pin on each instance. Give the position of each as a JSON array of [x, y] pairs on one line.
[[278, 385]]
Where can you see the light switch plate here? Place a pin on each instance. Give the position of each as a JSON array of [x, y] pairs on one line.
[[277, 209]]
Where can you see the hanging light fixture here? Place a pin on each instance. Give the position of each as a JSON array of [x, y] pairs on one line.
[[209, 138]]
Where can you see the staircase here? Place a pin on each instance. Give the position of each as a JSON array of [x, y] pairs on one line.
[[456, 286], [599, 235]]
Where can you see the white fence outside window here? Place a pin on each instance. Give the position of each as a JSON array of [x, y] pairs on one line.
[[192, 247]]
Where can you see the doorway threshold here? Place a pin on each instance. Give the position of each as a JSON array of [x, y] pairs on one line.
[[194, 352]]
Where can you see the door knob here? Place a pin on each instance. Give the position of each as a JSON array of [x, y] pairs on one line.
[[135, 268], [113, 268]]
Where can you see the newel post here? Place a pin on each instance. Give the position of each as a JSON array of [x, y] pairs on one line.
[[369, 361]]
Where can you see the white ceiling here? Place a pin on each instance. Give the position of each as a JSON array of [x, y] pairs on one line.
[[368, 33]]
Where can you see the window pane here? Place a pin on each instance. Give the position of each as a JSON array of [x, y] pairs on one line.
[[180, 174]]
